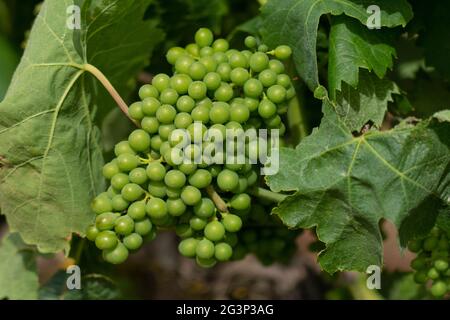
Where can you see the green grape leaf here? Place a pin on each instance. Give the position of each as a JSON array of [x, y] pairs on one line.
[[354, 46], [18, 271], [8, 62], [367, 103], [93, 287], [50, 155], [295, 23], [344, 185]]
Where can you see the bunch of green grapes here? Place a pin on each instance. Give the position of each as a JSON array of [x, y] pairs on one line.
[[265, 236], [432, 261], [213, 89]]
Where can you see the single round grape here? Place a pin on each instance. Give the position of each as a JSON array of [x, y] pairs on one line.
[[418, 263], [239, 113], [101, 204], [441, 265], [258, 61], [252, 177], [176, 207], [240, 201], [197, 71], [215, 170], [155, 142], [276, 66], [150, 124], [232, 223], [263, 48], [220, 57], [135, 111], [209, 63], [124, 225], [420, 277], [119, 203], [290, 93], [139, 140], [227, 180], [224, 92], [205, 249], [123, 147], [267, 77], [219, 113], [116, 255], [273, 122], [106, 240], [148, 91], [438, 289], [187, 168], [237, 59], [118, 181], [224, 70], [133, 241], [150, 106], [110, 169], [132, 192], [283, 52], [250, 42], [127, 162], [223, 251], [185, 104], [212, 80], [206, 52], [173, 54], [182, 120], [200, 179], [433, 273], [183, 64], [214, 231], [183, 231], [239, 76], [155, 171], [203, 37], [180, 83], [220, 45], [197, 223], [191, 195], [175, 179], [188, 247], [168, 96], [193, 49], [430, 243], [156, 208], [161, 81], [253, 88], [267, 109], [284, 81], [166, 114], [173, 193], [200, 113], [143, 227], [92, 232], [138, 176], [205, 263], [205, 208], [251, 103], [197, 90], [136, 211], [276, 93]]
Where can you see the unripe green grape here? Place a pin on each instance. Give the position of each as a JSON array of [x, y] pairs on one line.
[[200, 179], [183, 231], [124, 225], [232, 163], [250, 42], [187, 168], [185, 104], [206, 52], [205, 263], [148, 91], [212, 80], [191, 195], [290, 93], [220, 57], [200, 113], [239, 113], [155, 171], [433, 274], [110, 169], [232, 223], [267, 77], [161, 81], [166, 113], [242, 186], [127, 162], [173, 54], [118, 181], [251, 103], [227, 180], [150, 124], [182, 120], [150, 106], [123, 147], [240, 201], [224, 92], [168, 96], [439, 289], [135, 111], [193, 152], [106, 240], [188, 247], [176, 207], [284, 81], [267, 109], [101, 204], [258, 61], [430, 243], [205, 208], [220, 45], [441, 265], [253, 88], [193, 49], [224, 70], [155, 142], [136, 210], [197, 223], [165, 130], [180, 83], [223, 251], [133, 241], [263, 48], [183, 64], [276, 93], [418, 263], [143, 227], [116, 255], [138, 176], [175, 179], [276, 66], [119, 203], [203, 37], [156, 208], [173, 193], [239, 76], [420, 277], [139, 140], [214, 231], [238, 60], [92, 232], [219, 113], [273, 122], [132, 192], [283, 52], [197, 90], [205, 249], [197, 71]]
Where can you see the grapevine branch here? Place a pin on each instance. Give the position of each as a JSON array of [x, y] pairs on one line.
[[215, 197]]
